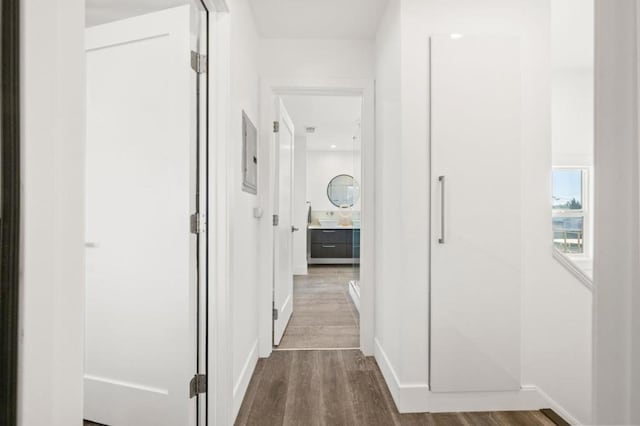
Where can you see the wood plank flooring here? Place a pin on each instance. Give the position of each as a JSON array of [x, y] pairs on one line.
[[323, 314], [343, 388]]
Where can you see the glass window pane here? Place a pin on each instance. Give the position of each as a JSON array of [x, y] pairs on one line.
[[567, 189], [568, 234]]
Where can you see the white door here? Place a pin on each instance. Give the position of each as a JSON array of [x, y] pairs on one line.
[[476, 243], [141, 316], [283, 230]]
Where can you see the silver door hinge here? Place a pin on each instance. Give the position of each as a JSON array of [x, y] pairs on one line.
[[198, 223], [198, 385], [276, 220], [199, 62], [275, 314], [276, 126]]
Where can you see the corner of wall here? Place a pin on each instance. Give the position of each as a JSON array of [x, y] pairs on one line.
[[242, 384]]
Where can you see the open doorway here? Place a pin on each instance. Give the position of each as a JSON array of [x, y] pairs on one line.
[[318, 178], [146, 197]]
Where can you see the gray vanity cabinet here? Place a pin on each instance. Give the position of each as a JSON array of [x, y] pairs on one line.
[[332, 246]]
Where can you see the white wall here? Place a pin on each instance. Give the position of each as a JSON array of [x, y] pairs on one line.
[[572, 117], [52, 281], [388, 302], [617, 254], [572, 82], [243, 236], [322, 166], [300, 206], [556, 307], [315, 58]]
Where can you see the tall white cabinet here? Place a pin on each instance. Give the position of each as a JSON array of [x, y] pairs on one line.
[[476, 189]]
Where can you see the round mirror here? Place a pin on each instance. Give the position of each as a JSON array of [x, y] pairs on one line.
[[343, 191]]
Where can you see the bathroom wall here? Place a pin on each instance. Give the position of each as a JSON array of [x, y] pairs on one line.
[[322, 166]]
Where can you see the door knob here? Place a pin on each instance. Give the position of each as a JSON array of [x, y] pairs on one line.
[[294, 229]]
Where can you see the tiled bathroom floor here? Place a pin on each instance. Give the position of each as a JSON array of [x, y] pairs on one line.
[[324, 316]]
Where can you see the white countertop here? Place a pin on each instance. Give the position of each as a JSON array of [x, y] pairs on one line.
[[330, 227]]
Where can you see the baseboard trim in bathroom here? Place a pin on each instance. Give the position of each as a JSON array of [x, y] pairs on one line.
[[554, 417]]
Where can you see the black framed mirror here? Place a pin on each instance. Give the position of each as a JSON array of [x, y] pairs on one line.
[[343, 191], [9, 209]]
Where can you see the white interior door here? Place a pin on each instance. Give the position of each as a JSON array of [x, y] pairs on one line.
[[141, 316], [283, 231], [476, 213]]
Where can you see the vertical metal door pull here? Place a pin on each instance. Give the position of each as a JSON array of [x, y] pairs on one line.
[[441, 179]]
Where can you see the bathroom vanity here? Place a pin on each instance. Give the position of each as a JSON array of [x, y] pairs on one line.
[[333, 245]]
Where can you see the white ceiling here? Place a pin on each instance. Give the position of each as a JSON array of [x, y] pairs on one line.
[[337, 19], [103, 11], [336, 119]]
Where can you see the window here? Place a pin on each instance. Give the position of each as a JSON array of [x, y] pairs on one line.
[[569, 206]]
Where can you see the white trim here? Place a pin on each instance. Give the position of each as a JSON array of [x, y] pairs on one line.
[[270, 88], [314, 349], [240, 388], [417, 398], [616, 303], [566, 261], [409, 398], [129, 385], [561, 411], [300, 269], [216, 6], [355, 295], [220, 386]]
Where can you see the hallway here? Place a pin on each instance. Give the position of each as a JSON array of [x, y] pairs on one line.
[[323, 314], [342, 388]]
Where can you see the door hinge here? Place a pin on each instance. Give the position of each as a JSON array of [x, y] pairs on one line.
[[199, 62], [276, 220], [276, 126], [198, 385], [198, 224], [275, 314]]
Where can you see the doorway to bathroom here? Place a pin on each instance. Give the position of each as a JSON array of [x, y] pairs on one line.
[[318, 187], [321, 196]]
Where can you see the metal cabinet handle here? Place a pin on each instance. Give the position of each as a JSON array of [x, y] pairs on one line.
[[441, 179], [294, 229], [328, 232], [328, 246]]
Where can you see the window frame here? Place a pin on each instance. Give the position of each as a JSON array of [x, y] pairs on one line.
[[584, 212], [575, 262]]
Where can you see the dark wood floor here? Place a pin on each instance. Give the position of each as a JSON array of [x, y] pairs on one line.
[[343, 388], [323, 314]]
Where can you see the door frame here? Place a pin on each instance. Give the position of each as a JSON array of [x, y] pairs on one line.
[[10, 205], [219, 320], [284, 120], [269, 90]]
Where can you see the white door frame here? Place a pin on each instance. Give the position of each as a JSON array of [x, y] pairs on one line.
[[219, 337], [269, 89]]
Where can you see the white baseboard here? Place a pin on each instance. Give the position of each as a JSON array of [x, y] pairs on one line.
[[242, 383], [550, 403], [417, 397], [409, 398], [300, 269]]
